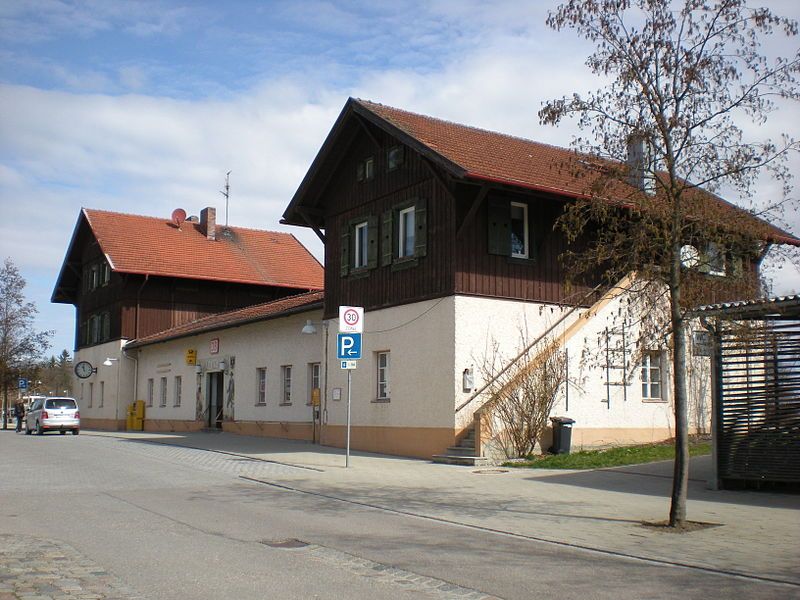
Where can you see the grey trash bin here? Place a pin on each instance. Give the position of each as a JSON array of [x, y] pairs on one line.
[[562, 434]]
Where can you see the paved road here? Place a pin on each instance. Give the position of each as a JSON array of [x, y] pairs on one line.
[[99, 516]]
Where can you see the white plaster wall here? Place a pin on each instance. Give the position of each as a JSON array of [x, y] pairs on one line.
[[271, 344], [118, 379], [588, 394], [481, 322], [419, 337]]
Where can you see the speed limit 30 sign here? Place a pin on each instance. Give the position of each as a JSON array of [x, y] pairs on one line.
[[351, 319]]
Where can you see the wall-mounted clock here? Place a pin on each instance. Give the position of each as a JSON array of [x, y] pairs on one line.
[[84, 369]]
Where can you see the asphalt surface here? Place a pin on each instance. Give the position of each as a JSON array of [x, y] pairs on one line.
[[224, 516]]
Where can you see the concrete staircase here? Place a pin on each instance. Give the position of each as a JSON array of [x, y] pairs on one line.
[[463, 453]]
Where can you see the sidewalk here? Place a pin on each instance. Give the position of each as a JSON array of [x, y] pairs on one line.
[[755, 535]]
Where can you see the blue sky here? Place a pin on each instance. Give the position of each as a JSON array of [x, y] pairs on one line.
[[142, 107]]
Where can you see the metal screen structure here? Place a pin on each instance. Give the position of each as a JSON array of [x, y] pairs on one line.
[[757, 404]]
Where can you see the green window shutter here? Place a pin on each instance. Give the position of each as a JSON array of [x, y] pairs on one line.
[[372, 242], [499, 227], [345, 248], [387, 245], [421, 223]]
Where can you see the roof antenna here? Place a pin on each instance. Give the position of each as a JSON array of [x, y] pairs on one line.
[[226, 193]]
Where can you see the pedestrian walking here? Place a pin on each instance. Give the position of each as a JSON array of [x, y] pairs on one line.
[[19, 413]]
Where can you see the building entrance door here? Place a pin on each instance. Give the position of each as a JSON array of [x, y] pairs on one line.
[[215, 401]]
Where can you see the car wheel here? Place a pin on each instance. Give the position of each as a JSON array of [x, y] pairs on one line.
[[39, 430], [76, 431]]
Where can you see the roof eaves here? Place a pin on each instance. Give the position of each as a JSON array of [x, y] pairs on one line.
[[158, 338], [70, 247]]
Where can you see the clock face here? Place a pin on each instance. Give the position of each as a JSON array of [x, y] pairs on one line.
[[84, 369]]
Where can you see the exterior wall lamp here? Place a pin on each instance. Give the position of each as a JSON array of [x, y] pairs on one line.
[[310, 329], [109, 361]]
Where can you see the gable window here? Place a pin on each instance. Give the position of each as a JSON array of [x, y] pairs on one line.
[[382, 362], [261, 383], [509, 231], [652, 388], [286, 384], [519, 230], [394, 157], [405, 236], [365, 170], [361, 245], [713, 261]]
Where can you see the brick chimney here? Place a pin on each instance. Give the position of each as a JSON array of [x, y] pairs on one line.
[[208, 222]]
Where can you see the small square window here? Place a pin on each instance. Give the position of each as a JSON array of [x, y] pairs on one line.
[[365, 169], [394, 157]]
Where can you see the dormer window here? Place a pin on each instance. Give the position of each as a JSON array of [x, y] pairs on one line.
[[365, 170]]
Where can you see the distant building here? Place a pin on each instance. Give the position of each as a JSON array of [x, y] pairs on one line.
[[130, 276]]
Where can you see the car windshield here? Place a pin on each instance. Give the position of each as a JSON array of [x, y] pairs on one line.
[[61, 403]]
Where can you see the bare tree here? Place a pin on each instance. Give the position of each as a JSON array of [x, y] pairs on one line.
[[663, 136], [522, 394], [20, 345]]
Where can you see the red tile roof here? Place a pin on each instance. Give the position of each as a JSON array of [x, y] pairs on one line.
[[233, 318], [156, 246], [495, 157]]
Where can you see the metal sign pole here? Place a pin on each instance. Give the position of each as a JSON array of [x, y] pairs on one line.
[[347, 455]]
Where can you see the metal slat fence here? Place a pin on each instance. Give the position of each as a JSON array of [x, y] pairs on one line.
[[759, 409]]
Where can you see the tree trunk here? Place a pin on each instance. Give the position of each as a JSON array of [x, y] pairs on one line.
[[680, 478]]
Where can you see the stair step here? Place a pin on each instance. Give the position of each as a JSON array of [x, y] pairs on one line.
[[467, 461], [461, 451]]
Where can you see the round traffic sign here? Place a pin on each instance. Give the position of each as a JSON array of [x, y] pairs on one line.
[[351, 317]]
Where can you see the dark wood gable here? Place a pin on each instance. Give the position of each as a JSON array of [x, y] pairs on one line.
[[463, 242]]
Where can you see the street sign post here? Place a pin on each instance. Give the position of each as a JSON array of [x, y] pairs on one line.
[[348, 350]]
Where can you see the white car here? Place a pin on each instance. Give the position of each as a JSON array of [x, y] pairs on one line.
[[53, 414]]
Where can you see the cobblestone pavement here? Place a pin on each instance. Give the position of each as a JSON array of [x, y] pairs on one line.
[[38, 569]]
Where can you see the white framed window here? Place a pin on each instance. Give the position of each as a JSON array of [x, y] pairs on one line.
[[313, 379], [361, 245], [651, 375], [176, 400], [286, 384], [150, 386], [382, 364], [406, 238], [91, 394], [162, 392], [519, 230], [102, 394], [261, 386]]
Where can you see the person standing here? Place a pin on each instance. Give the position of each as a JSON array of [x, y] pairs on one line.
[[19, 412]]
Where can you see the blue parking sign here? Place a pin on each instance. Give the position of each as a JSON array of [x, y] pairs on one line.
[[23, 384], [348, 346]]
